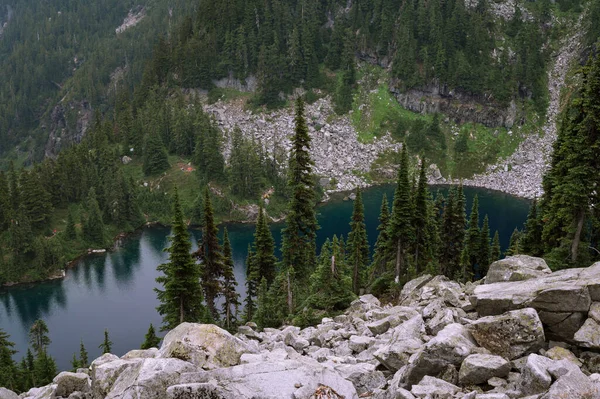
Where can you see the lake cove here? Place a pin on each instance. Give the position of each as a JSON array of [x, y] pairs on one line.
[[114, 290]]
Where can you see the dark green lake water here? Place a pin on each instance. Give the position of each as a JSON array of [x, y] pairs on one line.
[[115, 290]]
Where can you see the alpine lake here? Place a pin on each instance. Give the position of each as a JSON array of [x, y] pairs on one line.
[[114, 290]]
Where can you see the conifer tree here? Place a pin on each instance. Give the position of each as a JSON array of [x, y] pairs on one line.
[[4, 203], [358, 244], [150, 339], [252, 283], [484, 248], [420, 220], [210, 255], [181, 296], [38, 336], [93, 227], [495, 249], [264, 249], [298, 236], [531, 240], [44, 368], [74, 363], [230, 295], [380, 253], [35, 200], [400, 229], [331, 283], [106, 345], [70, 230], [473, 238], [8, 368], [83, 356], [453, 231], [514, 246], [155, 155]]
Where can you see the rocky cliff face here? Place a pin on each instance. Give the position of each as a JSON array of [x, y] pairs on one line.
[[487, 340], [61, 132]]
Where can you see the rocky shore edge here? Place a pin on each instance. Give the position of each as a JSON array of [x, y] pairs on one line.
[[522, 332]]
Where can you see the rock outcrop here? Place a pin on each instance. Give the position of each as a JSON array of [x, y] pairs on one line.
[[442, 340]]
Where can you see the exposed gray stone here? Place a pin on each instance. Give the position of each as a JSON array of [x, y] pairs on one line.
[[7, 394], [478, 368], [535, 377], [510, 335], [434, 387], [67, 383], [517, 268], [588, 335]]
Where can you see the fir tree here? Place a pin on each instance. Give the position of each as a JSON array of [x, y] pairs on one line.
[[44, 368], [155, 155], [299, 233], [230, 295], [358, 244], [473, 239], [106, 345], [420, 220], [8, 368], [252, 283], [38, 336], [93, 228], [35, 200], [400, 229], [181, 296], [70, 230], [150, 339], [514, 246], [495, 249], [531, 240], [379, 257], [210, 255], [74, 363], [453, 231], [484, 248], [83, 356], [264, 249]]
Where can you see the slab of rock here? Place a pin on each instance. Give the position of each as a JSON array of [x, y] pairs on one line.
[[141, 354], [431, 387], [535, 377], [7, 394], [571, 383], [204, 345], [564, 291], [359, 343], [517, 268], [588, 335], [267, 380], [510, 335], [398, 314], [559, 353], [67, 383], [105, 373], [478, 368]]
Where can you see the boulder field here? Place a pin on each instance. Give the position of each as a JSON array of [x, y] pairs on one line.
[[522, 332]]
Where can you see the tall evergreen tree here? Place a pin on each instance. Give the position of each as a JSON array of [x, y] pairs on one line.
[[495, 248], [358, 244], [299, 234], [231, 297], [400, 229], [83, 356], [514, 246], [181, 296], [38, 336], [380, 253], [264, 249], [150, 339], [532, 243], [484, 248], [8, 368], [106, 345], [252, 284], [70, 230], [210, 255], [155, 155], [35, 200], [473, 240], [420, 219], [93, 228], [453, 231]]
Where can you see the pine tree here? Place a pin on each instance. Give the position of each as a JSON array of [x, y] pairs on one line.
[[150, 339], [299, 233], [38, 336], [35, 200], [5, 208], [155, 155], [264, 249], [83, 356], [514, 246], [70, 230], [230, 295], [331, 283], [106, 345], [358, 244], [181, 296], [74, 363], [44, 369], [379, 256], [473, 239], [93, 228], [495, 249], [252, 284], [400, 229], [210, 255], [8, 368], [484, 248], [420, 220], [453, 232], [532, 243]]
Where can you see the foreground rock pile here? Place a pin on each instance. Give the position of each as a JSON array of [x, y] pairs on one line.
[[525, 332]]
